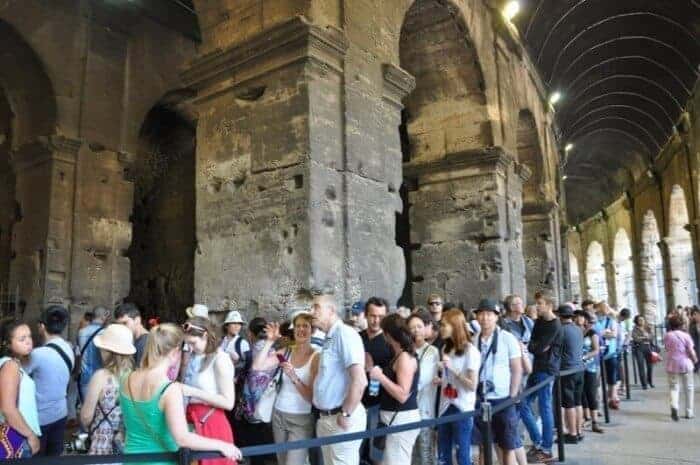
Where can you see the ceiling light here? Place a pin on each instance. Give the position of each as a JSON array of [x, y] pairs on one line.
[[564, 178], [568, 147], [554, 98], [511, 9]]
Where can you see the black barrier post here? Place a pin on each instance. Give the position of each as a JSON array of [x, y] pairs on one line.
[[627, 376], [558, 419], [184, 456], [635, 368], [487, 439], [604, 388]]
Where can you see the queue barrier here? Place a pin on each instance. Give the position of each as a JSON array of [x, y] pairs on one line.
[[186, 456]]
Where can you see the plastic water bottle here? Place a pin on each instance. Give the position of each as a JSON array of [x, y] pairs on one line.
[[374, 387]]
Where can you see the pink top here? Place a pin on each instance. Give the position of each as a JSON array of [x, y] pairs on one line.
[[679, 346]]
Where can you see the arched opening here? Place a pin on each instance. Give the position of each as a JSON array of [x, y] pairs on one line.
[[574, 278], [652, 271], [595, 272], [163, 217], [538, 248], [680, 250], [624, 272], [7, 205], [446, 114]]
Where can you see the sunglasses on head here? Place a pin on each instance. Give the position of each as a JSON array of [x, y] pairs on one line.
[[190, 328]]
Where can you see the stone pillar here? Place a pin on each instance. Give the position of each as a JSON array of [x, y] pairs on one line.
[[273, 195], [611, 282], [465, 217], [679, 249], [42, 236], [540, 228]]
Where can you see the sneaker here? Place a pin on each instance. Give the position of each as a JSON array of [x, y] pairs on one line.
[[570, 439], [543, 457], [532, 455], [674, 414]]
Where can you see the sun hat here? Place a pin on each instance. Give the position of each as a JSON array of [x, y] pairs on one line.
[[198, 310], [234, 316], [299, 313], [116, 338]]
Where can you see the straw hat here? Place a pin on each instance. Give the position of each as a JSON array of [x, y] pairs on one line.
[[116, 338], [234, 316], [197, 310]]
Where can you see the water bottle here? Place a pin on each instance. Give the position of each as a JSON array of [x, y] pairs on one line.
[[374, 387]]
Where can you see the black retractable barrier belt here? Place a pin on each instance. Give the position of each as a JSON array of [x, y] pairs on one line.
[[274, 448]]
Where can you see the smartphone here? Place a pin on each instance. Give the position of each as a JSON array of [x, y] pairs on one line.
[[281, 358]]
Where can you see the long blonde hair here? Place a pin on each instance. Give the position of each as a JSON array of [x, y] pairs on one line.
[[161, 341], [117, 364]]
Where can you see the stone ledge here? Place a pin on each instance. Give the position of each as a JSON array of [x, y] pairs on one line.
[[398, 83], [44, 149], [494, 158], [544, 209], [294, 41]]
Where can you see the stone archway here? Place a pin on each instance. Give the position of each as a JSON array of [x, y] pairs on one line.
[[624, 272], [538, 216], [574, 278], [680, 250], [652, 271], [163, 218], [453, 224], [596, 276]]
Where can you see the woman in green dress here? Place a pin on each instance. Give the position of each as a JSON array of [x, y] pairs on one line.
[[152, 404]]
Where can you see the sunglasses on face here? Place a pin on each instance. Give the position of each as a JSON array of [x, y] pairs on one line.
[[435, 303]]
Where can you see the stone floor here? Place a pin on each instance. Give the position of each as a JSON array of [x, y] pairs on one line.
[[642, 433]]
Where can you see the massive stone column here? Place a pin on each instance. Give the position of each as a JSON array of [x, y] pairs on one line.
[[282, 208], [465, 216], [679, 254], [540, 229], [42, 234]]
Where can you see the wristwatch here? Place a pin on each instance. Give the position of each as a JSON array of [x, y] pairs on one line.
[[345, 414]]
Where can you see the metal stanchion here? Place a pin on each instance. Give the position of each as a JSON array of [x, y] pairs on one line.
[[558, 421], [627, 376], [487, 438], [635, 368], [604, 388]]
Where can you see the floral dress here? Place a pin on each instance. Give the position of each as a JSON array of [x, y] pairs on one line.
[[107, 427]]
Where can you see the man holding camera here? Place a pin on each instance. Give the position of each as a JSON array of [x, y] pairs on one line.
[[499, 379]]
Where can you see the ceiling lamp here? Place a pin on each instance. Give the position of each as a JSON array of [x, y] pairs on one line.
[[511, 9], [568, 147], [564, 178], [554, 98]]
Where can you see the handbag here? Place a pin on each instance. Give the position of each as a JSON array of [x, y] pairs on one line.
[[266, 402], [379, 442], [654, 357], [12, 443]]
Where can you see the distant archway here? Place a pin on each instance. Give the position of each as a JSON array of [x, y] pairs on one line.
[[624, 272], [680, 250], [596, 276], [652, 271], [574, 278]]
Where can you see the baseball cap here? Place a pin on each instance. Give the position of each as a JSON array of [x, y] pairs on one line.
[[489, 305]]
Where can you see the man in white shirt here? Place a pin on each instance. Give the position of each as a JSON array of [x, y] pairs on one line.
[[340, 382], [499, 379]]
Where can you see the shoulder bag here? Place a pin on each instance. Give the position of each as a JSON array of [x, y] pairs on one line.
[[266, 402]]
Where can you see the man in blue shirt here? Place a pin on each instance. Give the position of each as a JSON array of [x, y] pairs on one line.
[[51, 367], [90, 359]]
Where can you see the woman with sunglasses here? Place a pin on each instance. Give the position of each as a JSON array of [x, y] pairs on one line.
[[208, 384], [292, 419], [152, 407]]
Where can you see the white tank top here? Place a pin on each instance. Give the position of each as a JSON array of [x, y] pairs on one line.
[[289, 399], [206, 379]]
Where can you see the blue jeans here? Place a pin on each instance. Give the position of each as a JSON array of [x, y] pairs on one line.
[[544, 439], [457, 434]]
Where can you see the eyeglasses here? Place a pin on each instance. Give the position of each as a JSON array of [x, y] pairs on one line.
[[437, 302], [189, 328]]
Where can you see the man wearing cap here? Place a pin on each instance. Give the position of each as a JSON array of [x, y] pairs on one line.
[[357, 316], [545, 346], [571, 385], [340, 382], [499, 379], [51, 367]]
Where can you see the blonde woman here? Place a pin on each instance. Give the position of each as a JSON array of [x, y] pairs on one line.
[[101, 414], [291, 418], [152, 404]]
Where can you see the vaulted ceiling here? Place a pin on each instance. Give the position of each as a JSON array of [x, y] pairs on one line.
[[625, 69]]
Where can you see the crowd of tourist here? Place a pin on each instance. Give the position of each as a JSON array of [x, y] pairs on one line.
[[327, 371]]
